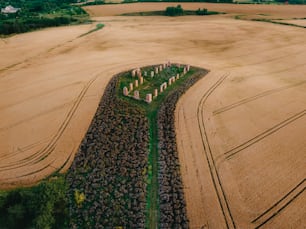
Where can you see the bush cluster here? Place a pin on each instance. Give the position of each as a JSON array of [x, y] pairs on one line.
[[107, 180], [174, 11], [171, 193], [202, 12], [40, 206], [29, 24], [110, 169]]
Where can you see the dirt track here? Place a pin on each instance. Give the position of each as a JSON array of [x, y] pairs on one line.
[[251, 122]]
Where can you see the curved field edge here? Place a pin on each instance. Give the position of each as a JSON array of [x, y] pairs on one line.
[[107, 185], [172, 201]]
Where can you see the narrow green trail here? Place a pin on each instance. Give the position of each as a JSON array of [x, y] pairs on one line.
[[152, 201], [152, 196]]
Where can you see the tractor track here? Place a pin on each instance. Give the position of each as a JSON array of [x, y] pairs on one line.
[[229, 154], [255, 97], [47, 150], [223, 202], [281, 204]]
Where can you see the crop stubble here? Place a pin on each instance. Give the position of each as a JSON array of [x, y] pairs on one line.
[[259, 107]]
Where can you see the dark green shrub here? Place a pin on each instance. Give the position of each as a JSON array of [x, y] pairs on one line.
[[41, 206], [174, 11], [202, 12]]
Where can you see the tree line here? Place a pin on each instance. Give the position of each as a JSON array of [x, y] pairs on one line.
[[34, 14], [40, 206]]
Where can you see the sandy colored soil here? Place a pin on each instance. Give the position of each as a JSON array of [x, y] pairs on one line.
[[240, 130]]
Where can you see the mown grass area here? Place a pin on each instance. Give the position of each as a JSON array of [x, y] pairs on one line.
[[151, 83], [151, 111]]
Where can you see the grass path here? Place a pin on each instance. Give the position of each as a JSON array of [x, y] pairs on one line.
[[152, 196]]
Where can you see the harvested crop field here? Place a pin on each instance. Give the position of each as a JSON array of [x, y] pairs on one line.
[[240, 129]]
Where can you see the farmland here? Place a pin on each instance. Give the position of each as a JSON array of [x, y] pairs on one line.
[[240, 129]]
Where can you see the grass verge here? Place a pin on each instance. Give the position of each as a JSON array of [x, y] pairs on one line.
[[98, 27]]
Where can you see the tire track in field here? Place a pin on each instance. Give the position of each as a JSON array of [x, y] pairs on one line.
[[223, 202], [261, 51], [281, 204], [35, 96], [45, 152], [24, 148], [41, 54], [188, 136], [59, 169], [255, 97], [275, 58], [231, 153], [45, 112]]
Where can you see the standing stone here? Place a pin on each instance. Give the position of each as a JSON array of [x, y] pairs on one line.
[[171, 80], [155, 92], [125, 91], [177, 76], [188, 68], [152, 74], [133, 73], [145, 73], [141, 80], [139, 74], [136, 94], [160, 68], [164, 65], [163, 87], [156, 70], [149, 98], [185, 70], [136, 83], [131, 86]]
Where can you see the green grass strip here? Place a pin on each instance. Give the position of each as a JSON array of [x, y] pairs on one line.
[[98, 27], [152, 195]]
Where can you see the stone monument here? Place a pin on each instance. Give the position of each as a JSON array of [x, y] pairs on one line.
[[136, 95], [125, 91]]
